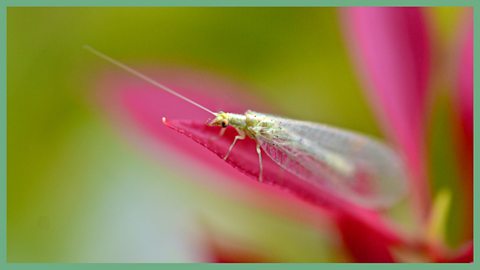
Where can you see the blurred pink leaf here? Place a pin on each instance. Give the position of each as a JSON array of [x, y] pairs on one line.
[[391, 47]]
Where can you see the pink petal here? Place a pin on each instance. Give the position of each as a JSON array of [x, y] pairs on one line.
[[391, 49]]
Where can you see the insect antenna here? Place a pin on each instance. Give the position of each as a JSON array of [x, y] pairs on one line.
[[144, 77]]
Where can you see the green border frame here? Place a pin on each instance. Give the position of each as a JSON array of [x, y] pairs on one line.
[[77, 3]]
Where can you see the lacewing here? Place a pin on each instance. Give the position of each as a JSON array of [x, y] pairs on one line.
[[353, 166]]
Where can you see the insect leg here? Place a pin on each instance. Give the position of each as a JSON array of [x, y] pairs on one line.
[[259, 152], [240, 136], [222, 131], [220, 134]]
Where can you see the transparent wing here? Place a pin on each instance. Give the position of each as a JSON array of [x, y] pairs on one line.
[[352, 165]]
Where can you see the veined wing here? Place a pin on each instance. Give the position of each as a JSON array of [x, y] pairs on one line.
[[351, 165]]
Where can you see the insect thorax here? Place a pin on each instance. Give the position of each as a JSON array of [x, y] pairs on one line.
[[237, 120], [252, 123], [258, 123]]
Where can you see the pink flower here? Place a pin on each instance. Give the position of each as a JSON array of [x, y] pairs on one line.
[[392, 51]]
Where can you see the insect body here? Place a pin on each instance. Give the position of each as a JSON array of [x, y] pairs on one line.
[[250, 124], [267, 129], [352, 165]]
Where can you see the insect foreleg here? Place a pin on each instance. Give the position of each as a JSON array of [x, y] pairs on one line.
[[222, 131], [220, 134], [240, 136], [260, 173]]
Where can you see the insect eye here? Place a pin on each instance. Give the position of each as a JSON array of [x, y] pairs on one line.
[[224, 123]]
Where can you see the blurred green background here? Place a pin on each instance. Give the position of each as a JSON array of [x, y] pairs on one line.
[[78, 191]]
